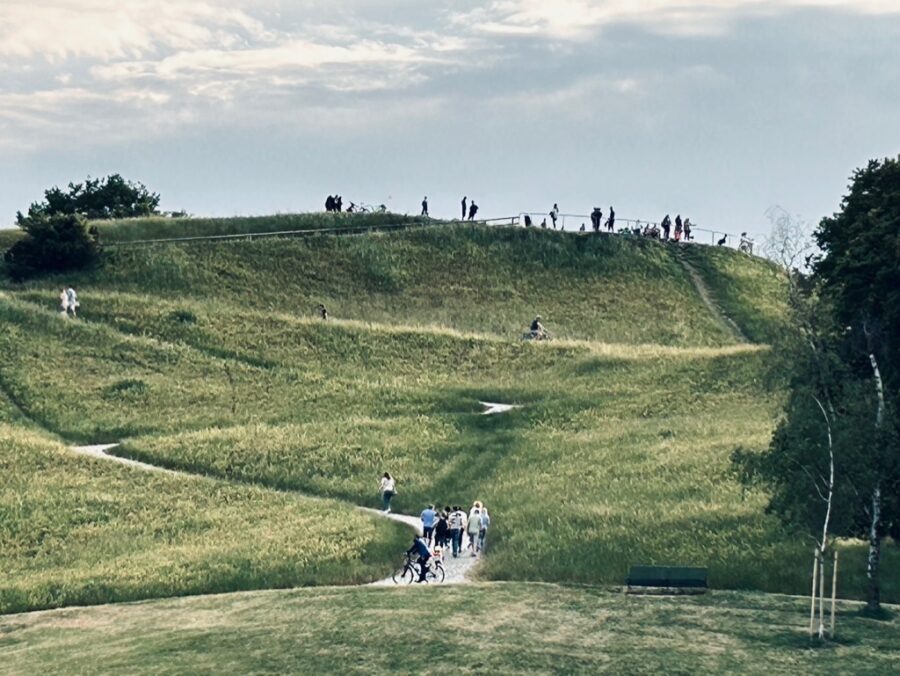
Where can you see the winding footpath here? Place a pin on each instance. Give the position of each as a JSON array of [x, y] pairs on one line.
[[457, 570]]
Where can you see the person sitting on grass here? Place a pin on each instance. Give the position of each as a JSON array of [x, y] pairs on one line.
[[421, 548], [323, 312]]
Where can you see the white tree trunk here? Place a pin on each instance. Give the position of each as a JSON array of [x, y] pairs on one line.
[[874, 558]]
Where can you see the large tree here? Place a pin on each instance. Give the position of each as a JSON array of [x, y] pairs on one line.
[[859, 271], [96, 199], [833, 467]]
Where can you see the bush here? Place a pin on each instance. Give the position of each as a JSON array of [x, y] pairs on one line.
[[96, 199], [56, 243]]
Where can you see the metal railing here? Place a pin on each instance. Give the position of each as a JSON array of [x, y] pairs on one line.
[[573, 223]]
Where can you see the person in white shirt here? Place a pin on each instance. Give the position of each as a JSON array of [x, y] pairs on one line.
[[457, 521], [73, 301], [388, 491], [63, 303]]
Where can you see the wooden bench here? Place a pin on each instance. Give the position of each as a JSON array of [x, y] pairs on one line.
[[666, 580]]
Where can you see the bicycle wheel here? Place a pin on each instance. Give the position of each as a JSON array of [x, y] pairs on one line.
[[402, 575], [436, 574]]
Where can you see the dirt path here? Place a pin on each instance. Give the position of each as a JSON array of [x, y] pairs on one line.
[[707, 298], [457, 570]]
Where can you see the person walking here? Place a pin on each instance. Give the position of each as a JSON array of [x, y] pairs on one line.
[[473, 211], [687, 229], [485, 524], [388, 491], [425, 206], [611, 221], [63, 303], [457, 523], [72, 302], [465, 205], [473, 529], [428, 517], [441, 530], [679, 228], [554, 214]]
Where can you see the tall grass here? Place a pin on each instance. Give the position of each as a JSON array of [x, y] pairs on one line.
[[156, 227], [618, 456], [77, 531]]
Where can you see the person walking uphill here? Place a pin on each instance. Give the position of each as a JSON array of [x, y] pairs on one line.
[[425, 206], [457, 523], [474, 530], [428, 517], [388, 491]]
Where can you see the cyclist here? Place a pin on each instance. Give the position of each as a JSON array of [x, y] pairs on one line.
[[421, 548], [538, 332]]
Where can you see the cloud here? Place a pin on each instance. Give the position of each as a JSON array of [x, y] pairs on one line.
[[580, 19], [108, 29]]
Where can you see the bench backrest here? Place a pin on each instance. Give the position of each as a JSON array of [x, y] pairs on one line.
[[667, 576]]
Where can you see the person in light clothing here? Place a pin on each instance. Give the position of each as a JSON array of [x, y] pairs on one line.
[[485, 524], [63, 303], [474, 530], [388, 491]]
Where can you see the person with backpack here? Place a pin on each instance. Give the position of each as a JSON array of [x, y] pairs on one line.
[[388, 491], [666, 226], [428, 517], [457, 523]]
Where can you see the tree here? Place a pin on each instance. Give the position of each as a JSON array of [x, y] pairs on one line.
[[860, 271], [833, 467], [53, 243], [96, 199]]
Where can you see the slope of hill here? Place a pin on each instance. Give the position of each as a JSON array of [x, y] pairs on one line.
[[204, 358]]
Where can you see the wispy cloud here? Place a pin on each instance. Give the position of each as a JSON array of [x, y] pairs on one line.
[[580, 19]]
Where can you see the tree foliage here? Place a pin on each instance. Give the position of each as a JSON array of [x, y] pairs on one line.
[[53, 243], [843, 364], [96, 199]]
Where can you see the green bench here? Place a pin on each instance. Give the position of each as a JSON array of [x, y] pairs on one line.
[[667, 579]]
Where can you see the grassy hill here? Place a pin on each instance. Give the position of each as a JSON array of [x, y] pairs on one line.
[[206, 358]]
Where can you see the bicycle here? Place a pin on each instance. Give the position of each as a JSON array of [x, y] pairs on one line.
[[409, 571]]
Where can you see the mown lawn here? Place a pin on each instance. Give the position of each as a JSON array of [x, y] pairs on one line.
[[489, 628]]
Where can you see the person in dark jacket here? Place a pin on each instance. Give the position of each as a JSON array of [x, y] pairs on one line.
[[421, 548], [473, 211], [465, 205]]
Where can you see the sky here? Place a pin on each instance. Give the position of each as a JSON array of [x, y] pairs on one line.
[[714, 109]]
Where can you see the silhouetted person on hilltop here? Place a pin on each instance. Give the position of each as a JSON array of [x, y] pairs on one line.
[[582, 227], [425, 206], [679, 228], [666, 226], [687, 229], [554, 214], [473, 211], [464, 207], [611, 221], [527, 221], [596, 219], [339, 204], [544, 223], [329, 204]]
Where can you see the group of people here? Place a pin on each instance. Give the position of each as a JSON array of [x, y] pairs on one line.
[[448, 527], [334, 204], [469, 210], [68, 302]]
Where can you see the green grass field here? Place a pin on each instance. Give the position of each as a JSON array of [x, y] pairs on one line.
[[207, 358], [493, 628]]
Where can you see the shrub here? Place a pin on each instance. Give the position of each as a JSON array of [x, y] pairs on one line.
[[55, 243], [111, 197]]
